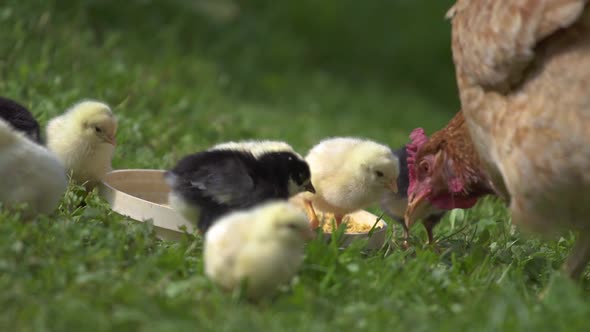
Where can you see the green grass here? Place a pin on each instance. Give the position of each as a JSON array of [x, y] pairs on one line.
[[180, 80]]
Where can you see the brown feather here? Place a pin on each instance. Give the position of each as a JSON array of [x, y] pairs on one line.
[[523, 72], [455, 144]]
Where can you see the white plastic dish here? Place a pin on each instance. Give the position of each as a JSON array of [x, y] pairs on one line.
[[377, 237], [142, 194]]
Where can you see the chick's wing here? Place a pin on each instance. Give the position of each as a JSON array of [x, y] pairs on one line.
[[226, 181]]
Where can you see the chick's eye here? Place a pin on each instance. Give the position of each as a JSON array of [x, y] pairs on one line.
[[292, 226], [97, 129], [379, 173]]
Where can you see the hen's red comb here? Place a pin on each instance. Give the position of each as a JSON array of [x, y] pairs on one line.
[[418, 138]]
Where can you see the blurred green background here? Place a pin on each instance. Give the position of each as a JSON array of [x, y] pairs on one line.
[[196, 72], [182, 75], [401, 45]]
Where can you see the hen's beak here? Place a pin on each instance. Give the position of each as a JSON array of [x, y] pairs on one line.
[[309, 187], [416, 208], [393, 186]]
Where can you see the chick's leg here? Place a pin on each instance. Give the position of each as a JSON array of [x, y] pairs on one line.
[[338, 218], [311, 215], [429, 233], [579, 257], [429, 224], [406, 236]]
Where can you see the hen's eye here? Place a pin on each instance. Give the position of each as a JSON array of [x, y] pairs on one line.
[[97, 129], [424, 167], [379, 173]]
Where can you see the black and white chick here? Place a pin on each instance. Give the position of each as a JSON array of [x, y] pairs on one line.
[[20, 118], [394, 204], [235, 176]]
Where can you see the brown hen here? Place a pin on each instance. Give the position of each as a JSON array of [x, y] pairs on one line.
[[445, 173], [523, 72]]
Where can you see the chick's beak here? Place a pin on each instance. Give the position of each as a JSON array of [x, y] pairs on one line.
[[393, 186], [307, 234], [309, 187], [417, 208], [111, 139]]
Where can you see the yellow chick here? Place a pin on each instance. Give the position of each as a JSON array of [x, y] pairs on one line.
[[348, 174], [262, 247], [84, 140], [30, 173]]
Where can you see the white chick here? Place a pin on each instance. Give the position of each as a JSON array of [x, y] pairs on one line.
[[30, 173], [262, 246], [348, 174], [84, 140]]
